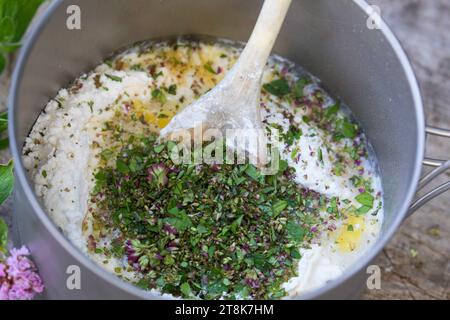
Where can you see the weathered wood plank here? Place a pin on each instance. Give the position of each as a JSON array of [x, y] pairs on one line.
[[416, 263]]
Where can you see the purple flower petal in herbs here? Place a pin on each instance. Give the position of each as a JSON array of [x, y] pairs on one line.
[[215, 167], [198, 168], [130, 252], [126, 108], [169, 229], [174, 169], [92, 244], [361, 190], [289, 175], [158, 173], [362, 153], [252, 283], [172, 246], [137, 183], [246, 248]]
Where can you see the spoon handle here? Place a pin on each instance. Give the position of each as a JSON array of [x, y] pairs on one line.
[[264, 35]]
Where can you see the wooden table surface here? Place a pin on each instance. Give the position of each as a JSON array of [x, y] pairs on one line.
[[416, 263]]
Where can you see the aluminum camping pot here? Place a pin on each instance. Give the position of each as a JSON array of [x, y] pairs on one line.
[[336, 41]]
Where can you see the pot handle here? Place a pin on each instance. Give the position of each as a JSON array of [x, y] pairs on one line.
[[441, 166]]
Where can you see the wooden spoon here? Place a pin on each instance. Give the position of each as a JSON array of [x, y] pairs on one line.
[[234, 102]]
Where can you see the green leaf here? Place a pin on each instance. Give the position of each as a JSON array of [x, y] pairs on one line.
[[282, 166], [260, 261], [332, 110], [348, 129], [21, 12], [114, 78], [159, 148], [106, 154], [295, 232], [180, 220], [278, 88], [237, 223], [122, 167], [295, 254], [253, 173], [209, 68], [3, 236], [158, 94], [2, 62], [363, 210], [3, 121], [202, 229], [4, 144], [320, 155], [292, 135], [279, 207], [185, 289], [172, 89], [366, 199], [299, 87], [169, 260], [7, 29], [6, 181]]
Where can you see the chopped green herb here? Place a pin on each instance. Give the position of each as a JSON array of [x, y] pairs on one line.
[[348, 129], [366, 199], [91, 106], [279, 88], [204, 231], [137, 67], [293, 134], [332, 110], [209, 68], [172, 89], [299, 87], [320, 156], [113, 77], [159, 95]]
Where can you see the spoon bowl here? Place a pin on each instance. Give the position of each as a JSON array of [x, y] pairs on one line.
[[234, 103]]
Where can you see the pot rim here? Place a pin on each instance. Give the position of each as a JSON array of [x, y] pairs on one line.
[[138, 293]]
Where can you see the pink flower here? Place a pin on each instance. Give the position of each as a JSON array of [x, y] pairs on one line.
[[126, 108], [18, 277], [2, 271]]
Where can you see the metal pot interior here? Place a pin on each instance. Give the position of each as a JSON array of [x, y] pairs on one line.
[[366, 68]]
